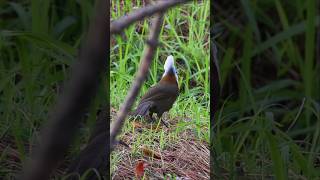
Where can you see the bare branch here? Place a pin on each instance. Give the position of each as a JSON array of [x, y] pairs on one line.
[[140, 78], [117, 26]]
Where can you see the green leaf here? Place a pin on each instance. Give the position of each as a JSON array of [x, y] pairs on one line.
[[278, 164]]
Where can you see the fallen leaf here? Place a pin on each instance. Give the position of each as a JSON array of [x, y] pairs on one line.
[[137, 125], [140, 168], [150, 153]]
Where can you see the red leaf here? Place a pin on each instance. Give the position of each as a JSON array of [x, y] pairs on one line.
[[140, 168]]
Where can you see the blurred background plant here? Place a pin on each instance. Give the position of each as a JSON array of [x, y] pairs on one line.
[[268, 124], [39, 40]]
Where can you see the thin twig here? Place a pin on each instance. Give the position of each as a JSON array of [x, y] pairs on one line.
[[146, 60], [58, 132], [117, 26]]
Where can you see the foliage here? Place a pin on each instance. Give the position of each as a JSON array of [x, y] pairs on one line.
[[39, 41], [268, 124], [185, 35]]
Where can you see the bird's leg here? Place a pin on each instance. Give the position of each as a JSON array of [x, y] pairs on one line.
[[163, 122], [151, 117]]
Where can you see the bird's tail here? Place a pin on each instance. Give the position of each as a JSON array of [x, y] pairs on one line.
[[142, 109]]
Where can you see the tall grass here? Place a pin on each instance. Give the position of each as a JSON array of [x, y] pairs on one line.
[[268, 123], [185, 35], [38, 42]]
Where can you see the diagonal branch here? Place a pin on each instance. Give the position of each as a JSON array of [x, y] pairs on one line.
[[117, 26], [141, 76]]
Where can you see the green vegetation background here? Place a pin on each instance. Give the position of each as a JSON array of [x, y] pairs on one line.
[[264, 128], [268, 124], [39, 40]]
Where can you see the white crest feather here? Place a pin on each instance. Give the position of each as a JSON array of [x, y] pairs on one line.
[[168, 65]]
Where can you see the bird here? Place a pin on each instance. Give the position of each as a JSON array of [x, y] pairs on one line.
[[160, 97]]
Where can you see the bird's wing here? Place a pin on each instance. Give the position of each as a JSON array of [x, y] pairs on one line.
[[143, 108], [154, 94], [160, 92]]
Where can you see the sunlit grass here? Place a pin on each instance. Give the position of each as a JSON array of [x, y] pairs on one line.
[[185, 35]]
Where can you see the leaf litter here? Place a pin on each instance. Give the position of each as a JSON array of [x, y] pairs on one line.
[[186, 157]]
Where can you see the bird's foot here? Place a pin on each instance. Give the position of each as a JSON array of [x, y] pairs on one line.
[[150, 119], [164, 123], [121, 142]]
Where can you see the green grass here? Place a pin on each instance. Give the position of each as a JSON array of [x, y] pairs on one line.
[[268, 123], [39, 41], [185, 35]]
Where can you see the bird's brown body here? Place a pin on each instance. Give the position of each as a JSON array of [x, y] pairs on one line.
[[159, 98]]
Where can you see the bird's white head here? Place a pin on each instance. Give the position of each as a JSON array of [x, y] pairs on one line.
[[169, 67]]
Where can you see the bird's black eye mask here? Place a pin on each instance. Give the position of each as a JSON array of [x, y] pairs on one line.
[[175, 71], [172, 71]]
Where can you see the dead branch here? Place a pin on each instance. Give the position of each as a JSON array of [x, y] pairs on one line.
[[117, 26], [146, 59], [72, 104]]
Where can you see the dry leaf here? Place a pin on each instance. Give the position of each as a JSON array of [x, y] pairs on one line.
[[140, 168], [150, 153], [137, 125]]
